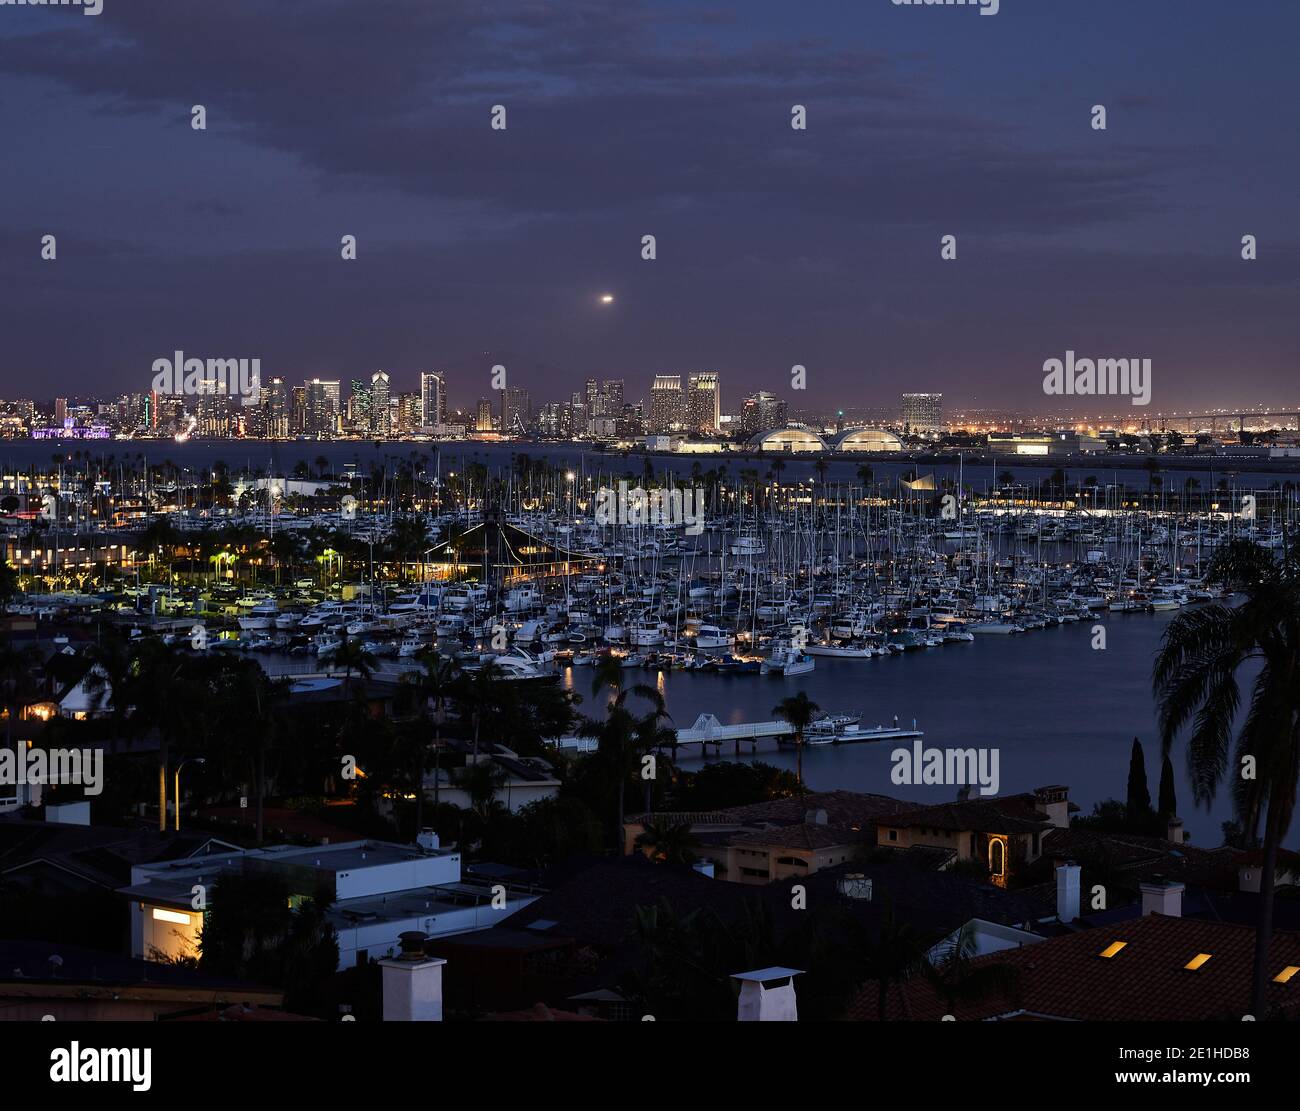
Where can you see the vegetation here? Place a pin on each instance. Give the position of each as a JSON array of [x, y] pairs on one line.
[[1206, 655]]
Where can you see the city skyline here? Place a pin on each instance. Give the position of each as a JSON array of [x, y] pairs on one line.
[[774, 247]]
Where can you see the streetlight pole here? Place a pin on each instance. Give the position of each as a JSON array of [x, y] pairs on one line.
[[177, 799]]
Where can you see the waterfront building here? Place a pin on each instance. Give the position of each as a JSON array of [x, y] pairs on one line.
[[667, 404], [866, 439], [792, 439], [704, 402]]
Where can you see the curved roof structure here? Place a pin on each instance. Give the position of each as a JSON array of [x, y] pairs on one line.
[[787, 439], [866, 439]]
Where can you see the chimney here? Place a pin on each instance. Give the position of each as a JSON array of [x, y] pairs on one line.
[[1174, 830], [1053, 804], [767, 995], [412, 983], [814, 817], [1161, 896], [1067, 891]]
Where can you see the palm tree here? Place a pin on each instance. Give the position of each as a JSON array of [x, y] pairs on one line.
[[799, 710], [479, 690], [957, 979], [166, 696], [608, 674], [351, 656], [434, 682], [670, 842], [623, 736], [113, 666], [17, 685], [1196, 681], [481, 782], [891, 955]]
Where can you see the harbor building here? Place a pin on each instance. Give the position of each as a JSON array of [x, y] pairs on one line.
[[866, 439], [789, 440]]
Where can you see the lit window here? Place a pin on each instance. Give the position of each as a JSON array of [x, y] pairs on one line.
[[1284, 977], [171, 916], [1111, 949], [1196, 962]]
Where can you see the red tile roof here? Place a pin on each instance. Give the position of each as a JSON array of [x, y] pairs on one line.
[[1145, 981]]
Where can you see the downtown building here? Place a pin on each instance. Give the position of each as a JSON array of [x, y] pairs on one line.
[[704, 402], [667, 404], [433, 399], [516, 411], [321, 407], [761, 412], [923, 414], [381, 408]]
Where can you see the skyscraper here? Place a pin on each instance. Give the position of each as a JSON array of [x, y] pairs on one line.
[[433, 398], [667, 403], [321, 411], [761, 412], [381, 411], [275, 409], [704, 402], [483, 415], [515, 411], [923, 414], [410, 414]]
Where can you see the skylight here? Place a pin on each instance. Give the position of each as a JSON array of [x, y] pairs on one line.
[[1197, 961], [1284, 977], [1111, 949]]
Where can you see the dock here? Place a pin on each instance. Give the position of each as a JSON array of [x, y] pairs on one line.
[[708, 730]]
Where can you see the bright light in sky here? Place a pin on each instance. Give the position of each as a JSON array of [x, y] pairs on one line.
[[606, 298]]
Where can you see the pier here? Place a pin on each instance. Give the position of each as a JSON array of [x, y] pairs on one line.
[[708, 730]]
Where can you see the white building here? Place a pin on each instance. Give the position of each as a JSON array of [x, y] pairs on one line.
[[381, 890]]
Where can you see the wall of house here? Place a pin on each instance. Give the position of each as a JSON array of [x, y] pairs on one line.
[[158, 934]]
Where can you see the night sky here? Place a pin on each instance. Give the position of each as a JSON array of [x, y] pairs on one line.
[[775, 246]]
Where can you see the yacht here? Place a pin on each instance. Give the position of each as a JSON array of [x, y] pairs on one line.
[[714, 638], [788, 660], [261, 616], [853, 650]]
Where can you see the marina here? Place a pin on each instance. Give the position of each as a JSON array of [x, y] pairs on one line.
[[786, 584]]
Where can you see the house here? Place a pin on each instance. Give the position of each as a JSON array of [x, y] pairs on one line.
[[73, 984], [1004, 835], [778, 839], [522, 779], [1156, 968], [380, 890]]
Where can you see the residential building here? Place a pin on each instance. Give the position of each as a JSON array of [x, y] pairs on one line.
[[380, 890], [433, 398]]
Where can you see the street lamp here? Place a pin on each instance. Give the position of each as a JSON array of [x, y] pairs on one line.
[[177, 796]]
